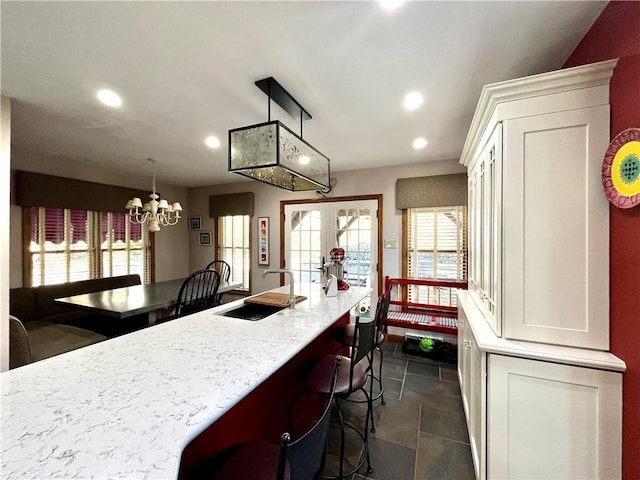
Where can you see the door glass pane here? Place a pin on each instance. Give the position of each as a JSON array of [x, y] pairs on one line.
[[353, 233], [305, 255]]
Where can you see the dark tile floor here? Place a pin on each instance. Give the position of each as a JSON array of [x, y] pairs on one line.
[[420, 432]]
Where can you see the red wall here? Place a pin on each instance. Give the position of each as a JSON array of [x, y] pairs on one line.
[[616, 34]]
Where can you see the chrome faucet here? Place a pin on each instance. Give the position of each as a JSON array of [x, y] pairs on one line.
[[291, 301]]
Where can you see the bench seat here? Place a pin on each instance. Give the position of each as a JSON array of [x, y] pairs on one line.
[[54, 329], [48, 339]]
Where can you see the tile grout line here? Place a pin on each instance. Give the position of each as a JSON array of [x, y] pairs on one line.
[[404, 378], [415, 463], [447, 439]]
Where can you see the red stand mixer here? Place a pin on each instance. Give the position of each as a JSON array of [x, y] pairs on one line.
[[337, 267]]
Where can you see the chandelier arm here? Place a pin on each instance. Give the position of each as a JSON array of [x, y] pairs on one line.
[[138, 218]]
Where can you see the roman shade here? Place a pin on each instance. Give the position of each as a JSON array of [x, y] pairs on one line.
[[231, 204], [435, 191], [39, 190]]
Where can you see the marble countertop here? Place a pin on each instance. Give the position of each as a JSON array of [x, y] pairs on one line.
[[126, 407]]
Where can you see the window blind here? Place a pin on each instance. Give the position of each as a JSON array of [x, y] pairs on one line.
[[436, 241], [71, 245], [233, 244], [436, 245]]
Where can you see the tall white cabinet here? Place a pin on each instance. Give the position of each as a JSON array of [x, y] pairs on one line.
[[541, 393]]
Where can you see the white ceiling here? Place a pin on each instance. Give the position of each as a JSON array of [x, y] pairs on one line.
[[186, 70]]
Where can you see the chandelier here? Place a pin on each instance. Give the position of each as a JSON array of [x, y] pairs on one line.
[[156, 211], [272, 153]]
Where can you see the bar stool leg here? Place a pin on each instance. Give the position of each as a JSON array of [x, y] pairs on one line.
[[342, 439], [380, 375]]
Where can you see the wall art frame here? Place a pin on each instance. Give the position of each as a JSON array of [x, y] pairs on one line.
[[263, 241], [205, 238], [195, 223]]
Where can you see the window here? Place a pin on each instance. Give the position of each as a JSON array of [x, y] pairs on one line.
[[234, 247], [70, 245], [435, 247]]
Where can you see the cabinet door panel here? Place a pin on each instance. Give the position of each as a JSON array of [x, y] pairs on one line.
[[472, 376], [477, 406], [555, 224], [485, 220], [552, 421]]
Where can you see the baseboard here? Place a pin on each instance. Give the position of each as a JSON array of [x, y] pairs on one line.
[[392, 337]]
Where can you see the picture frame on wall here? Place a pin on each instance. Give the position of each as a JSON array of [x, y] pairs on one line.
[[263, 240], [205, 238], [195, 223]]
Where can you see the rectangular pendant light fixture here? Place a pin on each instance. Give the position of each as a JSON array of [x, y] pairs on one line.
[[272, 153]]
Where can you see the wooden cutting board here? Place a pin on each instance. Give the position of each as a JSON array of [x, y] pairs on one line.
[[271, 298]]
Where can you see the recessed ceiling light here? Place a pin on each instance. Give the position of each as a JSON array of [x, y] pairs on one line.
[[412, 100], [212, 141], [109, 98], [391, 4], [419, 143]]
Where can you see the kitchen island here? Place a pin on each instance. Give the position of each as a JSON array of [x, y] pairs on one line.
[[128, 407]]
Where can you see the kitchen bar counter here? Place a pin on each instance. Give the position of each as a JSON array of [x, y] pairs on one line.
[[127, 407]]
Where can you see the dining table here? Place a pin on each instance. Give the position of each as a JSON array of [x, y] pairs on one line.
[[153, 299]]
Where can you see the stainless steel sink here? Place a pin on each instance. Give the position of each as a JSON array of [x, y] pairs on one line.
[[252, 311]]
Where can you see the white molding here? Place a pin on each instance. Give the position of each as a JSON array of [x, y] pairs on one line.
[[559, 81]]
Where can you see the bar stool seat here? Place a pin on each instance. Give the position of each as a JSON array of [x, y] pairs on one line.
[[319, 379]]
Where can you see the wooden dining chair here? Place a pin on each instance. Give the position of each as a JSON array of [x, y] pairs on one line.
[[224, 269], [198, 292]]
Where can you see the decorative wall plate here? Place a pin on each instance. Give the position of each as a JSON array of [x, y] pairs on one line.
[[621, 169]]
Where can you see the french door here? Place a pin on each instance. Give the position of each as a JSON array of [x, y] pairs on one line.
[[311, 230]]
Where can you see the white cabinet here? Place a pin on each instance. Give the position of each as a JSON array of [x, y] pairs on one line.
[[552, 421], [541, 393], [538, 218], [535, 410]]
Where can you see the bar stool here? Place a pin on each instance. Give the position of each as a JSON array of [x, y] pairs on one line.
[[352, 377], [346, 336], [301, 459]]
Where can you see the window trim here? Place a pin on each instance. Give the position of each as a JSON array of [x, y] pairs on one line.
[[217, 233]]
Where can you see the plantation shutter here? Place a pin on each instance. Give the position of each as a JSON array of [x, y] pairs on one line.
[[436, 248], [436, 243], [234, 248]]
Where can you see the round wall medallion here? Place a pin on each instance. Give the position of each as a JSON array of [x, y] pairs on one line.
[[621, 169]]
